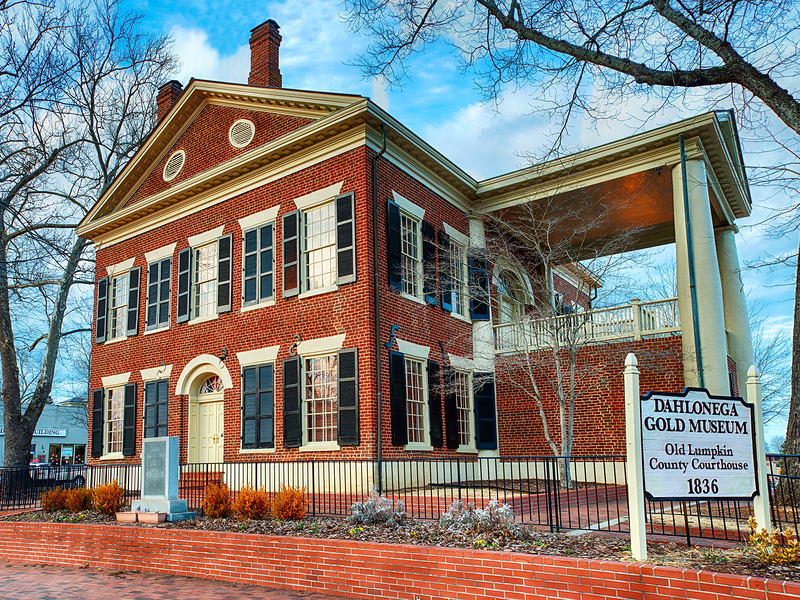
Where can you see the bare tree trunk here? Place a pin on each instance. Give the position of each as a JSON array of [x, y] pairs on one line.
[[792, 445]]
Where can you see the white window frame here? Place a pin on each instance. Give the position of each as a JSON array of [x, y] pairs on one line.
[[309, 349], [116, 309], [306, 414], [305, 279], [195, 292], [469, 410], [459, 286], [157, 257], [107, 453]]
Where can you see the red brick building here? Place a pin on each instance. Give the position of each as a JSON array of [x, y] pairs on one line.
[[263, 283]]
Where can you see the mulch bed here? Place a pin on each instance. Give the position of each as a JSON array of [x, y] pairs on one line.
[[739, 559]]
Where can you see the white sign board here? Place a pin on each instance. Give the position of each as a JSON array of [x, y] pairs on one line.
[[698, 447]]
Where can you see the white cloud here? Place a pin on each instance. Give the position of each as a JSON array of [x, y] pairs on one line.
[[199, 59]]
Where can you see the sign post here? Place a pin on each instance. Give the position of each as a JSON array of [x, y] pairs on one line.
[[633, 436], [761, 506]]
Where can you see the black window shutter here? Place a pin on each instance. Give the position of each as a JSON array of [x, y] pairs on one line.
[[291, 254], [345, 238], [151, 314], [162, 408], [102, 311], [435, 404], [479, 286], [348, 397], [249, 407], [266, 261], [129, 421], [485, 417], [224, 249], [397, 379], [450, 409], [150, 409], [250, 268], [184, 285], [134, 283], [98, 401], [266, 406], [444, 271], [394, 245], [165, 287], [429, 263], [292, 427]]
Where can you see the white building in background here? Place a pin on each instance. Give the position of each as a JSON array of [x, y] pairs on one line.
[[60, 436]]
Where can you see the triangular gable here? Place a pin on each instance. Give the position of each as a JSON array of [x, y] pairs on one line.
[[206, 143], [198, 95]]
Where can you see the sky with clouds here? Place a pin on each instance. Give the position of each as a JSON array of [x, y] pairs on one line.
[[439, 103]]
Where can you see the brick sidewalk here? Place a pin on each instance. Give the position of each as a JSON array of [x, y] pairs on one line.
[[24, 581]]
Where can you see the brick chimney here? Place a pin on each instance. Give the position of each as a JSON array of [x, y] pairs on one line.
[[168, 95], [265, 41]]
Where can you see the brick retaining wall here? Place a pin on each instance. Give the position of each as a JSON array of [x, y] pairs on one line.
[[369, 570]]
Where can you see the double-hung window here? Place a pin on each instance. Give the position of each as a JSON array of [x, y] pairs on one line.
[[410, 262], [114, 420], [462, 390], [458, 279], [258, 406], [204, 277], [320, 401], [117, 315], [416, 398], [319, 244]]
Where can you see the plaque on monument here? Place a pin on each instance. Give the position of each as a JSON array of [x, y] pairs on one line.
[[160, 474]]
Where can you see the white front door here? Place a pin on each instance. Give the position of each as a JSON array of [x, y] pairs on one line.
[[211, 430]]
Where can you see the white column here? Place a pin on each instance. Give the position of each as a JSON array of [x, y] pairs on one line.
[[737, 323], [482, 331], [633, 447], [708, 287]]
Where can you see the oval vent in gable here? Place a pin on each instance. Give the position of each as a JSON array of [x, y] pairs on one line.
[[174, 165], [242, 133]]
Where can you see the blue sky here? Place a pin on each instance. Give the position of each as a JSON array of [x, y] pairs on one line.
[[440, 104]]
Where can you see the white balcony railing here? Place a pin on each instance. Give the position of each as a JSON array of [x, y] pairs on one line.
[[634, 321]]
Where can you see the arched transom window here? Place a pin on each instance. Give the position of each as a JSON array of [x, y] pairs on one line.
[[212, 384]]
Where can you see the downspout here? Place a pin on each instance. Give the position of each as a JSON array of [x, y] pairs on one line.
[[377, 282], [692, 289]]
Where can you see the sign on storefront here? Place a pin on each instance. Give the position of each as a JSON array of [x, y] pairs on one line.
[[698, 447], [43, 432]]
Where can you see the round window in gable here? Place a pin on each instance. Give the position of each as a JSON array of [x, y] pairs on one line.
[[174, 165], [241, 133]]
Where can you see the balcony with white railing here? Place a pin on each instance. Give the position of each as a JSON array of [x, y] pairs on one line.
[[634, 321]]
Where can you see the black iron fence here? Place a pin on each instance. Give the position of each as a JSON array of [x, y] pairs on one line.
[[564, 494]]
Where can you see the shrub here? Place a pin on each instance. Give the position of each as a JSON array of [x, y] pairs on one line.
[[495, 519], [217, 502], [289, 503], [108, 497], [378, 511], [53, 500], [768, 545], [78, 499], [251, 503]]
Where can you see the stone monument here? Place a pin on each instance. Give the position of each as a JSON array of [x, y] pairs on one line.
[[160, 474]]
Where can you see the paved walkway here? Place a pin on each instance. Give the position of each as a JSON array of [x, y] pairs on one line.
[[23, 581]]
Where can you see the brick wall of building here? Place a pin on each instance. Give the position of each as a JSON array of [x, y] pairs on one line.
[[370, 570], [600, 411]]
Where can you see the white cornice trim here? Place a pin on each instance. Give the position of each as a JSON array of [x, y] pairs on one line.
[[407, 205], [206, 237], [318, 197], [413, 350], [122, 267], [160, 253], [261, 355], [159, 372], [259, 218], [115, 380]]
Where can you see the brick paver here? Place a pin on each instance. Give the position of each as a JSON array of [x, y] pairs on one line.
[[23, 581]]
